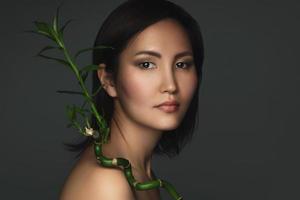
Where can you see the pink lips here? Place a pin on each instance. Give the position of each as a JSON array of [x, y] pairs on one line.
[[168, 106]]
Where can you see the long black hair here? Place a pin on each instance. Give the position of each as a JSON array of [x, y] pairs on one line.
[[127, 20]]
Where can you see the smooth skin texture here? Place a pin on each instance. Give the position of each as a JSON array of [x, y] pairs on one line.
[[143, 82]]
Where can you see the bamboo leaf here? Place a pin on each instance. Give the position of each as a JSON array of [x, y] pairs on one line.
[[61, 31], [55, 37], [84, 75], [85, 71], [76, 124], [90, 68], [48, 48], [73, 110], [66, 24], [56, 59], [96, 92], [89, 49], [80, 111], [55, 20], [43, 28], [69, 92], [41, 33]]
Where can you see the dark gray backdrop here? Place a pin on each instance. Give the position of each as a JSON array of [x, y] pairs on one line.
[[246, 145]]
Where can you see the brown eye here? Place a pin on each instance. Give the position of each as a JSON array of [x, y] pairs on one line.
[[145, 65], [184, 64]]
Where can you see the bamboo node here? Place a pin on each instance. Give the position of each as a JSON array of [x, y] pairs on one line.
[[160, 183], [134, 183], [115, 162]]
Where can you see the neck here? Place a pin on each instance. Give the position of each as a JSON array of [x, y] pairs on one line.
[[132, 141]]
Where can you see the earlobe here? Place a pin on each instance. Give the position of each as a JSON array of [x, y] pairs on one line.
[[106, 80]]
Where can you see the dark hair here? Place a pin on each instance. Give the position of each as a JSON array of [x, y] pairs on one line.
[[120, 26]]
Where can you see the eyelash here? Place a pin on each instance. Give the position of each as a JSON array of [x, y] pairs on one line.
[[188, 64]]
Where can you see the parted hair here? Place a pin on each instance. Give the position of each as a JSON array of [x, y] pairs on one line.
[[126, 21]]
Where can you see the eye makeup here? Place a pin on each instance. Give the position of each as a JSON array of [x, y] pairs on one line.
[[141, 63]]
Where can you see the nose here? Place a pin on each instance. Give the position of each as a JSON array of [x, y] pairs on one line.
[[168, 83]]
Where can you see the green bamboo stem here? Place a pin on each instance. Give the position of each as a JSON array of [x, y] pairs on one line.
[[125, 165], [100, 120]]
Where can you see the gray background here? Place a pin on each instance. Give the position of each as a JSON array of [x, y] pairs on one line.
[[246, 146]]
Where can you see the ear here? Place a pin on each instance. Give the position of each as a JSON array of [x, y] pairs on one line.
[[106, 80]]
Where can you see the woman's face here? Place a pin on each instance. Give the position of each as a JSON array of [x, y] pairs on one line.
[[146, 80]]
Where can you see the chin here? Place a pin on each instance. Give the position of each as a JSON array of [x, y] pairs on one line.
[[167, 125]]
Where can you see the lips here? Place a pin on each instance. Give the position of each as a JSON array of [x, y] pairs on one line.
[[169, 103], [168, 108]]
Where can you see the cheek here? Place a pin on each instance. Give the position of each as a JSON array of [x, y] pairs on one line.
[[188, 87], [135, 88]]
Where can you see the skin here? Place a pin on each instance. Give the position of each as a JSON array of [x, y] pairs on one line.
[[137, 125]]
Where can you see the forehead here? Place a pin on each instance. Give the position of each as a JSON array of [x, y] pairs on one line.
[[166, 36]]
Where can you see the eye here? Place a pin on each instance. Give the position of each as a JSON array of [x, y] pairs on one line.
[[184, 64], [145, 65]]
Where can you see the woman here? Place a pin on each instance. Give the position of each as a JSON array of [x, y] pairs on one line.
[[157, 58]]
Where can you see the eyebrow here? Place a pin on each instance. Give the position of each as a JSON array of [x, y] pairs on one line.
[[156, 54]]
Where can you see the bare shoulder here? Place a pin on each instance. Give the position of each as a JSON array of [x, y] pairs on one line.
[[96, 183]]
